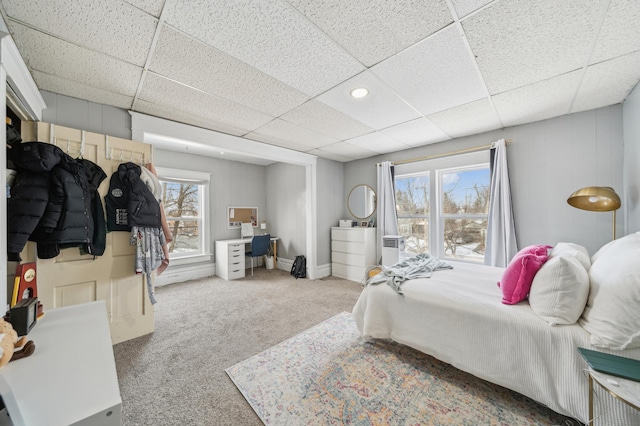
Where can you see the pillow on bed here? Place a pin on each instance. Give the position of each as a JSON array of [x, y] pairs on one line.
[[516, 279], [560, 290], [612, 315], [574, 250]]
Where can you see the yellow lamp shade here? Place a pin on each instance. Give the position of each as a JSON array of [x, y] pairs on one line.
[[595, 199]]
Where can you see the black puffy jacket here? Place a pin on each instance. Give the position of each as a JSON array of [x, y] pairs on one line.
[[72, 219], [33, 162], [129, 201]]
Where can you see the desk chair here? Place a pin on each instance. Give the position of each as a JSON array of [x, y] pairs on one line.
[[259, 247]]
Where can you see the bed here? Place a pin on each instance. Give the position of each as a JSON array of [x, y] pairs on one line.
[[457, 316]]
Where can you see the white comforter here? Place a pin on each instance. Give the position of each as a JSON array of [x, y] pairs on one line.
[[457, 316]]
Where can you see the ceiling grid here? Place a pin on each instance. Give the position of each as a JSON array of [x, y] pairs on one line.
[[281, 71]]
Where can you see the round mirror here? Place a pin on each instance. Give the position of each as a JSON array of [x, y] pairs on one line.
[[362, 201]]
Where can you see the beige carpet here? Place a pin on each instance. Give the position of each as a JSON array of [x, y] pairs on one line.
[[176, 375]]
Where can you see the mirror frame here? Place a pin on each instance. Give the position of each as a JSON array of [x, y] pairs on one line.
[[375, 201]]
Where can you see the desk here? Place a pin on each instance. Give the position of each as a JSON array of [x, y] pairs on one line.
[[230, 254], [627, 391], [71, 377]]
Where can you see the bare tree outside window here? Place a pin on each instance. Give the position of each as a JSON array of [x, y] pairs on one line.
[[413, 209], [181, 203], [465, 206], [462, 214]]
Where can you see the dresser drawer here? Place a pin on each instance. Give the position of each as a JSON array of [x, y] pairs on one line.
[[235, 249], [348, 258], [347, 246], [348, 234], [352, 273], [235, 272]]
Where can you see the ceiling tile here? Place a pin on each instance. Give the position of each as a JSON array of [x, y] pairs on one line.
[[160, 90], [435, 74], [113, 27], [65, 60], [597, 91], [288, 135], [170, 113], [519, 42], [269, 35], [329, 155], [620, 33], [538, 101], [465, 120], [465, 7], [323, 119], [153, 7], [347, 150], [378, 142], [196, 64], [416, 132], [373, 30], [381, 108], [80, 91]]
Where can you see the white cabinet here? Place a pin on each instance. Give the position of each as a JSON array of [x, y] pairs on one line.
[[230, 259], [70, 378], [352, 251]]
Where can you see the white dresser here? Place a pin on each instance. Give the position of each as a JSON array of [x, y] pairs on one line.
[[230, 259], [352, 250], [70, 378]]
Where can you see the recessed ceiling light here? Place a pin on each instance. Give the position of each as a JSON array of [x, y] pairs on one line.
[[360, 92]]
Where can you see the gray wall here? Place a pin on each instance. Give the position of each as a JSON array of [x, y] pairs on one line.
[[85, 115], [232, 184], [277, 190], [285, 192], [631, 131], [548, 160], [330, 203]]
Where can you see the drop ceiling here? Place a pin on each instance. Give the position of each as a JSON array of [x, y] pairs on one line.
[[281, 72]]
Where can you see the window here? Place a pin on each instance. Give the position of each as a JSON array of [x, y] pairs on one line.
[[443, 205], [412, 206], [464, 202], [184, 195]]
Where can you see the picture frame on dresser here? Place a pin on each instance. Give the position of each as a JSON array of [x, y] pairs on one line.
[[364, 224]]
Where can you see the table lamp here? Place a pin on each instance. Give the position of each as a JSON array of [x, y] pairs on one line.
[[596, 199]]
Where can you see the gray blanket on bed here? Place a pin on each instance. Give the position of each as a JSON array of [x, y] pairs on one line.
[[420, 266]]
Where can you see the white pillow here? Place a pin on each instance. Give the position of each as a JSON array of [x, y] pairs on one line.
[[574, 250], [612, 315], [560, 290], [601, 251]]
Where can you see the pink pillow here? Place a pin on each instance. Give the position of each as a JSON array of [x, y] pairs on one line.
[[517, 278]]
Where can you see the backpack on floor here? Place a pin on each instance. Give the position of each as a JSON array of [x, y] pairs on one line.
[[299, 268]]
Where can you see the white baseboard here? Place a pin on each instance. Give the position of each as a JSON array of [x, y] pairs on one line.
[[181, 273], [323, 271], [178, 274]]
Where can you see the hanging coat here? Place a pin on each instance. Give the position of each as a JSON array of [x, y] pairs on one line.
[[129, 201], [30, 191]]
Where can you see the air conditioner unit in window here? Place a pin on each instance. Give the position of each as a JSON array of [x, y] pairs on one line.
[[392, 249]]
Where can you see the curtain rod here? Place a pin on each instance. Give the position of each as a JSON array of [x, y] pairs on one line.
[[445, 154]]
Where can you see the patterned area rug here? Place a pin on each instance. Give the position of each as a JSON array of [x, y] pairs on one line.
[[328, 376]]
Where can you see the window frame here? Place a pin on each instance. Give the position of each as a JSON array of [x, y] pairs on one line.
[[469, 161], [201, 179], [444, 216]]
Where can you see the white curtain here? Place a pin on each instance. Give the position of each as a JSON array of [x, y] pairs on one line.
[[387, 216], [501, 232]]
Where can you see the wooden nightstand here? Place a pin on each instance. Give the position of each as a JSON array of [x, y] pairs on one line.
[[627, 391]]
